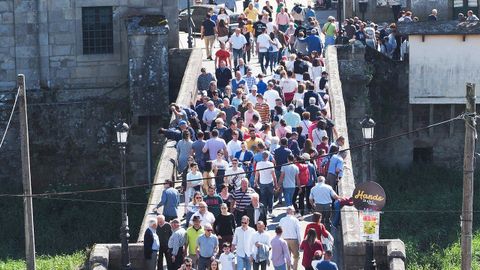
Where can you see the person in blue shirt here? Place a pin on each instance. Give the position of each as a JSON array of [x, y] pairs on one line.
[[335, 169], [309, 12], [327, 264], [314, 43], [261, 85], [170, 201]]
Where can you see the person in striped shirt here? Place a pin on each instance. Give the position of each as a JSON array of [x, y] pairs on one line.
[[263, 109], [241, 199]]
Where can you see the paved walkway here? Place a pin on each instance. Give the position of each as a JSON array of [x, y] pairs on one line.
[[279, 211]]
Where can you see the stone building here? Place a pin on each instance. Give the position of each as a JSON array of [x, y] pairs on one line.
[[87, 64], [71, 44]]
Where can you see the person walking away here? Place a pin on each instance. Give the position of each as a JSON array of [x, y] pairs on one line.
[[309, 246], [289, 178], [292, 235], [175, 244], [327, 263], [207, 33], [207, 248], [330, 31], [321, 197], [261, 248], [242, 243], [280, 254], [170, 201], [266, 180], [151, 244], [263, 45]]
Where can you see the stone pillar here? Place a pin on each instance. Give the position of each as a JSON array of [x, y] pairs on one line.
[[26, 24], [148, 66], [170, 9]]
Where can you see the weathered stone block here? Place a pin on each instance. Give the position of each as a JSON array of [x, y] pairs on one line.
[[85, 72], [6, 30], [8, 64], [136, 3], [26, 51], [7, 17], [57, 50], [7, 41], [6, 6], [63, 38], [60, 4]]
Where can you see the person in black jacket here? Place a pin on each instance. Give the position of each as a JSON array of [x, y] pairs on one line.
[[164, 231], [224, 75], [151, 245], [256, 211]]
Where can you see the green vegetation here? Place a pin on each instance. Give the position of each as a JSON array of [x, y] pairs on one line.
[[59, 262], [423, 209], [66, 227]]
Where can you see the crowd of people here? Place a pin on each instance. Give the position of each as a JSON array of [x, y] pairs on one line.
[[252, 142]]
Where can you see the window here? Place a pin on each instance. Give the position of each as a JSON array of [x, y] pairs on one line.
[[97, 29], [423, 155]]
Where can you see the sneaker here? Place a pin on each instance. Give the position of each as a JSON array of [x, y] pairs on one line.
[[272, 215]]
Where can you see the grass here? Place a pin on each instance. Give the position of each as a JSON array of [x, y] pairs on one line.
[[66, 227], [423, 209], [59, 262]]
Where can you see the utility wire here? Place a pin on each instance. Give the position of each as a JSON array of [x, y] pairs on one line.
[[9, 119], [147, 204], [373, 142]]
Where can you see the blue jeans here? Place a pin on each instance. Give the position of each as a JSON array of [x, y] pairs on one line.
[[237, 53], [263, 56], [329, 40], [243, 262], [266, 196], [288, 195], [273, 57], [281, 267], [336, 213]]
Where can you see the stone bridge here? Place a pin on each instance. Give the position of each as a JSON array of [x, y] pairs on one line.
[[389, 254]]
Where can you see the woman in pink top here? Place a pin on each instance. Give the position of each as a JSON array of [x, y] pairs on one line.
[[309, 246], [248, 115], [282, 129]]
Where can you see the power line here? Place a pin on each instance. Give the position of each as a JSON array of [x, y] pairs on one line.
[[10, 118], [459, 117]]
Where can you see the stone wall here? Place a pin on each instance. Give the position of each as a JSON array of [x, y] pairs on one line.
[[345, 67], [43, 40]]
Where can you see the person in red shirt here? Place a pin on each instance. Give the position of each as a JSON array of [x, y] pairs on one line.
[[222, 55], [309, 246], [303, 177], [317, 226]]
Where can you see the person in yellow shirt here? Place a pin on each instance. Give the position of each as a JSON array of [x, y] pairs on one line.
[[251, 12], [253, 141]]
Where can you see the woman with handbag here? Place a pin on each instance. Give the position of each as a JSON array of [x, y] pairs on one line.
[[309, 246]]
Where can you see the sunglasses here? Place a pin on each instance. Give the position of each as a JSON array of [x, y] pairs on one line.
[[188, 265], [243, 222], [209, 230], [198, 197]]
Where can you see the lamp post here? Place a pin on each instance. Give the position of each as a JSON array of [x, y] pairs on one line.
[[189, 25], [122, 134], [363, 4], [368, 128]]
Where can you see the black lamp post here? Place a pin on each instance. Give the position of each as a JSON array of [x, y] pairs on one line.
[[363, 4], [189, 26], [122, 135], [368, 128]]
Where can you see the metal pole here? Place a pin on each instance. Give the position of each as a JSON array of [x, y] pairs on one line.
[[370, 162], [339, 16], [370, 263], [27, 180], [468, 168], [124, 230], [189, 26], [149, 151]]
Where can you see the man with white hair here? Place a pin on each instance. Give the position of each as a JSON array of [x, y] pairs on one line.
[[256, 211], [207, 248], [252, 96], [210, 114], [292, 234], [164, 231], [151, 245], [206, 217], [312, 108], [321, 197], [433, 16]]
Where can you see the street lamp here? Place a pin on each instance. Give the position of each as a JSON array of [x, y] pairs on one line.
[[368, 129], [189, 25], [122, 134]]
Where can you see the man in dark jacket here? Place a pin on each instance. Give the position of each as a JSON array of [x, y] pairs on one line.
[[151, 245], [164, 231], [224, 75], [256, 211]]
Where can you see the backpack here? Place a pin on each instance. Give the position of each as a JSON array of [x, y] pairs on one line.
[[304, 174], [323, 167]]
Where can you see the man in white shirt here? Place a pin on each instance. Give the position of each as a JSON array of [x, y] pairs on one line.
[[289, 86], [210, 113], [233, 146], [237, 44], [321, 197], [263, 43], [242, 242], [234, 174], [270, 96], [292, 234], [206, 217], [261, 247], [266, 180], [252, 97]]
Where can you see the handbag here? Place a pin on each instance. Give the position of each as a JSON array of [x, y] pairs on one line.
[[327, 241]]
